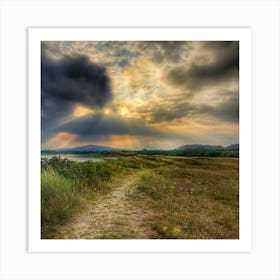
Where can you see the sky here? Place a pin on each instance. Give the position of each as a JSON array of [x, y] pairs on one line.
[[139, 94]]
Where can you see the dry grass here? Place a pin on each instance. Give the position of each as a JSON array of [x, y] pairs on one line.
[[194, 198]]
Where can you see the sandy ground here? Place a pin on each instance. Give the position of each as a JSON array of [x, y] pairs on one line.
[[112, 216]]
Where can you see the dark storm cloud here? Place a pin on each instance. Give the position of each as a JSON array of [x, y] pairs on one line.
[[92, 127], [224, 66], [66, 82], [226, 110]]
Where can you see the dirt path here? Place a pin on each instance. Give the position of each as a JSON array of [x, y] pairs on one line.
[[114, 216]]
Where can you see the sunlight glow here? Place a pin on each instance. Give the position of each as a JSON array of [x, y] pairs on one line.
[[80, 111], [125, 141], [61, 140], [124, 111]]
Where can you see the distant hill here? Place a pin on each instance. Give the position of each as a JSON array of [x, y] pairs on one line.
[[97, 148], [208, 147], [232, 147], [88, 148]]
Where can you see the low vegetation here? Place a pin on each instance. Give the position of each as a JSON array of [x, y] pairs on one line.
[[186, 152], [196, 199], [189, 198]]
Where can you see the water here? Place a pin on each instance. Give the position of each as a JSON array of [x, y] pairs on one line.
[[74, 157]]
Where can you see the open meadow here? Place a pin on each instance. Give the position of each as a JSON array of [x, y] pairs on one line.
[[140, 197]]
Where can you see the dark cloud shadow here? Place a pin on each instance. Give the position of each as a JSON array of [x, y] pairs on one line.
[[226, 110], [95, 126], [224, 67]]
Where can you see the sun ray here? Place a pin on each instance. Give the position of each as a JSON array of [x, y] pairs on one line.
[[81, 110]]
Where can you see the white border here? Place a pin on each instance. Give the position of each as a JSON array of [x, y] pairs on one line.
[[244, 243]]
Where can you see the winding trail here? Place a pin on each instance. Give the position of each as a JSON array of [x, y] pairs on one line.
[[112, 216]]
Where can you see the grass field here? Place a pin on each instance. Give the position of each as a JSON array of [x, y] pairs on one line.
[[156, 196]]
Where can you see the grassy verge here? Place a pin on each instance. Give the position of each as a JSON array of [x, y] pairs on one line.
[[58, 198], [66, 186]]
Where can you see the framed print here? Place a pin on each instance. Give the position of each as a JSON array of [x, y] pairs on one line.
[[139, 140], [138, 144]]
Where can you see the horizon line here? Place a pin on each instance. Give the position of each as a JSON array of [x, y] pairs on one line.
[[194, 144]]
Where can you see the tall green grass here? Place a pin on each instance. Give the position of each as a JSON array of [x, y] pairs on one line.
[[58, 198]]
